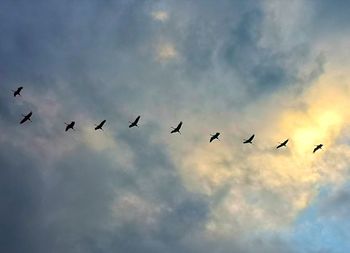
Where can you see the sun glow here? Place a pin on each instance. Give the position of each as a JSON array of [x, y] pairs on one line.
[[247, 178]]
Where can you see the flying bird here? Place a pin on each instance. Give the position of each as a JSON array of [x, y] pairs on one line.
[[317, 147], [249, 140], [99, 126], [177, 129], [283, 144], [214, 136], [70, 125], [17, 92], [135, 122], [26, 117]]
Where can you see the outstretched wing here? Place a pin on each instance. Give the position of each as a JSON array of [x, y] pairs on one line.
[[23, 120], [317, 147]]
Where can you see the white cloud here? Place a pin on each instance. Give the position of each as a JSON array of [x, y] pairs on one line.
[[161, 16], [166, 51]]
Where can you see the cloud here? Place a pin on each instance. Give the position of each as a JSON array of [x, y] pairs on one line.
[[336, 204], [160, 16], [166, 51], [251, 183], [237, 67]]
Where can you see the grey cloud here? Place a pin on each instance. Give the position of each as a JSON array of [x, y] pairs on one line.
[[21, 191], [337, 204], [95, 59], [331, 17], [69, 206]]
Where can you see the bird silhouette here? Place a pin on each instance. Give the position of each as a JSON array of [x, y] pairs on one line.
[[26, 117], [214, 136], [70, 125], [135, 122], [177, 129], [17, 92], [283, 144], [317, 147], [99, 126], [249, 140]]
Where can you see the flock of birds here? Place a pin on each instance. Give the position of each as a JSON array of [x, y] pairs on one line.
[[134, 123]]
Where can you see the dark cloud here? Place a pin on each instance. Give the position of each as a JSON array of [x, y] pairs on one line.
[[337, 204], [21, 192], [264, 69], [331, 16], [95, 60], [69, 206]]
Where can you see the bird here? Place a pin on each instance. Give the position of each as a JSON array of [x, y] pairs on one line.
[[135, 122], [177, 129], [99, 126], [214, 136], [26, 117], [18, 91], [249, 140], [317, 147], [70, 125], [283, 144]]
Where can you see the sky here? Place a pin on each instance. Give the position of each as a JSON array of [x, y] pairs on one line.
[[276, 69]]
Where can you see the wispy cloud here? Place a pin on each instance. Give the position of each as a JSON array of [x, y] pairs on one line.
[[160, 16], [166, 51]]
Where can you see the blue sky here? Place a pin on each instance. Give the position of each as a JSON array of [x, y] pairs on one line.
[[319, 230], [276, 69]]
